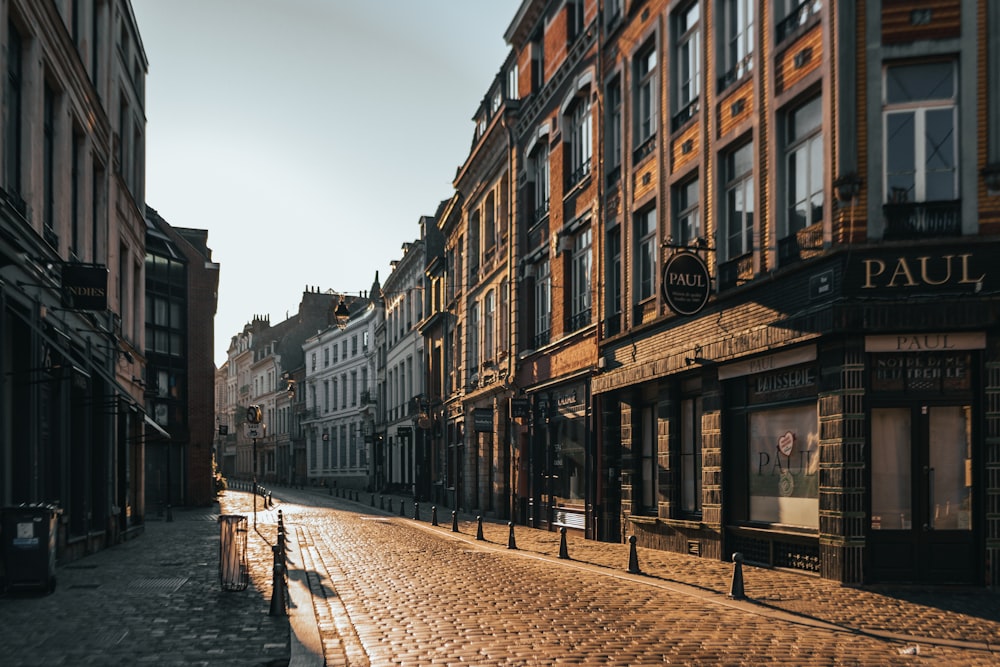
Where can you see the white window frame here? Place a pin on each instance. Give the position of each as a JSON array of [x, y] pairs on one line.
[[687, 212], [645, 254], [581, 140], [688, 58], [739, 188], [645, 93], [804, 168], [543, 298]]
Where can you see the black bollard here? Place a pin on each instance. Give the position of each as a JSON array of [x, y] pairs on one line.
[[510, 538], [633, 557], [390, 504], [402, 507], [563, 551], [736, 590], [416, 511], [454, 521], [278, 588], [373, 500], [434, 515], [479, 528], [381, 502]]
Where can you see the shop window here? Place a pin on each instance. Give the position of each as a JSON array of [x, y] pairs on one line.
[[784, 466], [690, 456]]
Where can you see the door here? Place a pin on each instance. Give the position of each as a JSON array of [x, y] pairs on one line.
[[922, 495]]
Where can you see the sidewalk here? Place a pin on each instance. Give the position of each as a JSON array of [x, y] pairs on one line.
[[152, 600], [944, 616]]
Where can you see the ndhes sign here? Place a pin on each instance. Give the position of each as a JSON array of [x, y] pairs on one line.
[[686, 284]]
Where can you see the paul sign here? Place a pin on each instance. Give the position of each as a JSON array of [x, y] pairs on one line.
[[686, 284]]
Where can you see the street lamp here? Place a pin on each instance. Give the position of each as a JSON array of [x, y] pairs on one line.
[[341, 314], [254, 417]]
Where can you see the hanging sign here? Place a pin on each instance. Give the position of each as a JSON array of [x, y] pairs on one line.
[[686, 284]]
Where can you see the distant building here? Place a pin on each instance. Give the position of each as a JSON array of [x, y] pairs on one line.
[[338, 410], [261, 360], [182, 283]]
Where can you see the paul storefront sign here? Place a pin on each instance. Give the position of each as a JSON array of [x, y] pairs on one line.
[[686, 284]]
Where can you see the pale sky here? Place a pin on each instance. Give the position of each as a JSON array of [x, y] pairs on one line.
[[309, 136]]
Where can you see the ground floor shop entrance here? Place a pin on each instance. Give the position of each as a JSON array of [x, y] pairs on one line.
[[922, 494]]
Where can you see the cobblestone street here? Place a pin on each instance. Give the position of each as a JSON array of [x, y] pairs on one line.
[[414, 593]]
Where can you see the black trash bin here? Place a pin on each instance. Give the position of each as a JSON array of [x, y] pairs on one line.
[[29, 546]]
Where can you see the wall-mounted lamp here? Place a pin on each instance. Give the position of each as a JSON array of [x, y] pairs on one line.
[[697, 359], [847, 187], [991, 177]]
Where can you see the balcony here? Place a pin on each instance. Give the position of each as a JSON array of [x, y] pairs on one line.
[[541, 340], [800, 245], [736, 271], [579, 320], [797, 18], [922, 220], [644, 149], [681, 118], [578, 175]]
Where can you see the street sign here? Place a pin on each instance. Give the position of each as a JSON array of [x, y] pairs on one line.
[[254, 430]]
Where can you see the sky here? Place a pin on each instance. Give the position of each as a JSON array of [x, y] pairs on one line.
[[309, 136]]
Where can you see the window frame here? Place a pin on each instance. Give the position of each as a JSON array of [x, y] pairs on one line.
[[581, 311], [684, 210], [644, 227], [543, 303], [810, 139], [741, 182], [645, 69]]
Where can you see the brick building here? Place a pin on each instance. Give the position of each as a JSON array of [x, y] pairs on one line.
[[182, 284]]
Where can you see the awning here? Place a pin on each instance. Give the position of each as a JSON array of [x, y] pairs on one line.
[[156, 427]]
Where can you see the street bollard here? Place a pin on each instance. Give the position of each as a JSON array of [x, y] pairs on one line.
[[736, 590], [416, 511], [278, 588], [563, 551], [170, 512], [454, 521], [270, 499], [402, 507], [633, 557], [434, 515], [381, 502], [390, 504], [510, 538], [373, 500], [479, 528]]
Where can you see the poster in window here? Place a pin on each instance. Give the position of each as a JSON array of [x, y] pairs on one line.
[[784, 466]]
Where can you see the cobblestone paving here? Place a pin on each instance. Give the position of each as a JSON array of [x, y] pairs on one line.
[[153, 600], [419, 595]]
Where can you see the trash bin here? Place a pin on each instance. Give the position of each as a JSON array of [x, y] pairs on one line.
[[29, 546], [234, 573]]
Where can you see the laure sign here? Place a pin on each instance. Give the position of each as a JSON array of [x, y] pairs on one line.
[[85, 286], [686, 284]]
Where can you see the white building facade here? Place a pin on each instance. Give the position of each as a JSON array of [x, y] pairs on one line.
[[338, 419]]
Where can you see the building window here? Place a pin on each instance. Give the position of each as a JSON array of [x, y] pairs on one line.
[[540, 169], [336, 387], [691, 456], [472, 330], [739, 201], [312, 361], [805, 166], [581, 140], [687, 213], [921, 132], [354, 346], [326, 357], [543, 304], [613, 10], [614, 130], [647, 458], [645, 254], [354, 388], [49, 163], [581, 263], [645, 99], [687, 61], [489, 310], [326, 396], [489, 227], [737, 26], [574, 19], [13, 110], [614, 279], [343, 397], [503, 344]]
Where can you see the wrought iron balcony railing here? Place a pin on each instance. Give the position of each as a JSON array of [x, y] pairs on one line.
[[917, 220]]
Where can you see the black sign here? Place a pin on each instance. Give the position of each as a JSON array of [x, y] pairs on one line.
[[404, 431], [520, 407], [686, 284], [85, 286], [482, 418]]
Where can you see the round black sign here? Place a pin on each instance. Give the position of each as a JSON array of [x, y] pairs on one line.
[[686, 284]]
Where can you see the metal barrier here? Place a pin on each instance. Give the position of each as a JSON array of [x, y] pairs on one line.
[[234, 571]]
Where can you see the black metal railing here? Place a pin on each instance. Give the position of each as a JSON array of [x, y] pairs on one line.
[[797, 18], [578, 175], [916, 220], [541, 212], [684, 115], [644, 149], [737, 72], [613, 324], [541, 339], [580, 320], [736, 271]]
